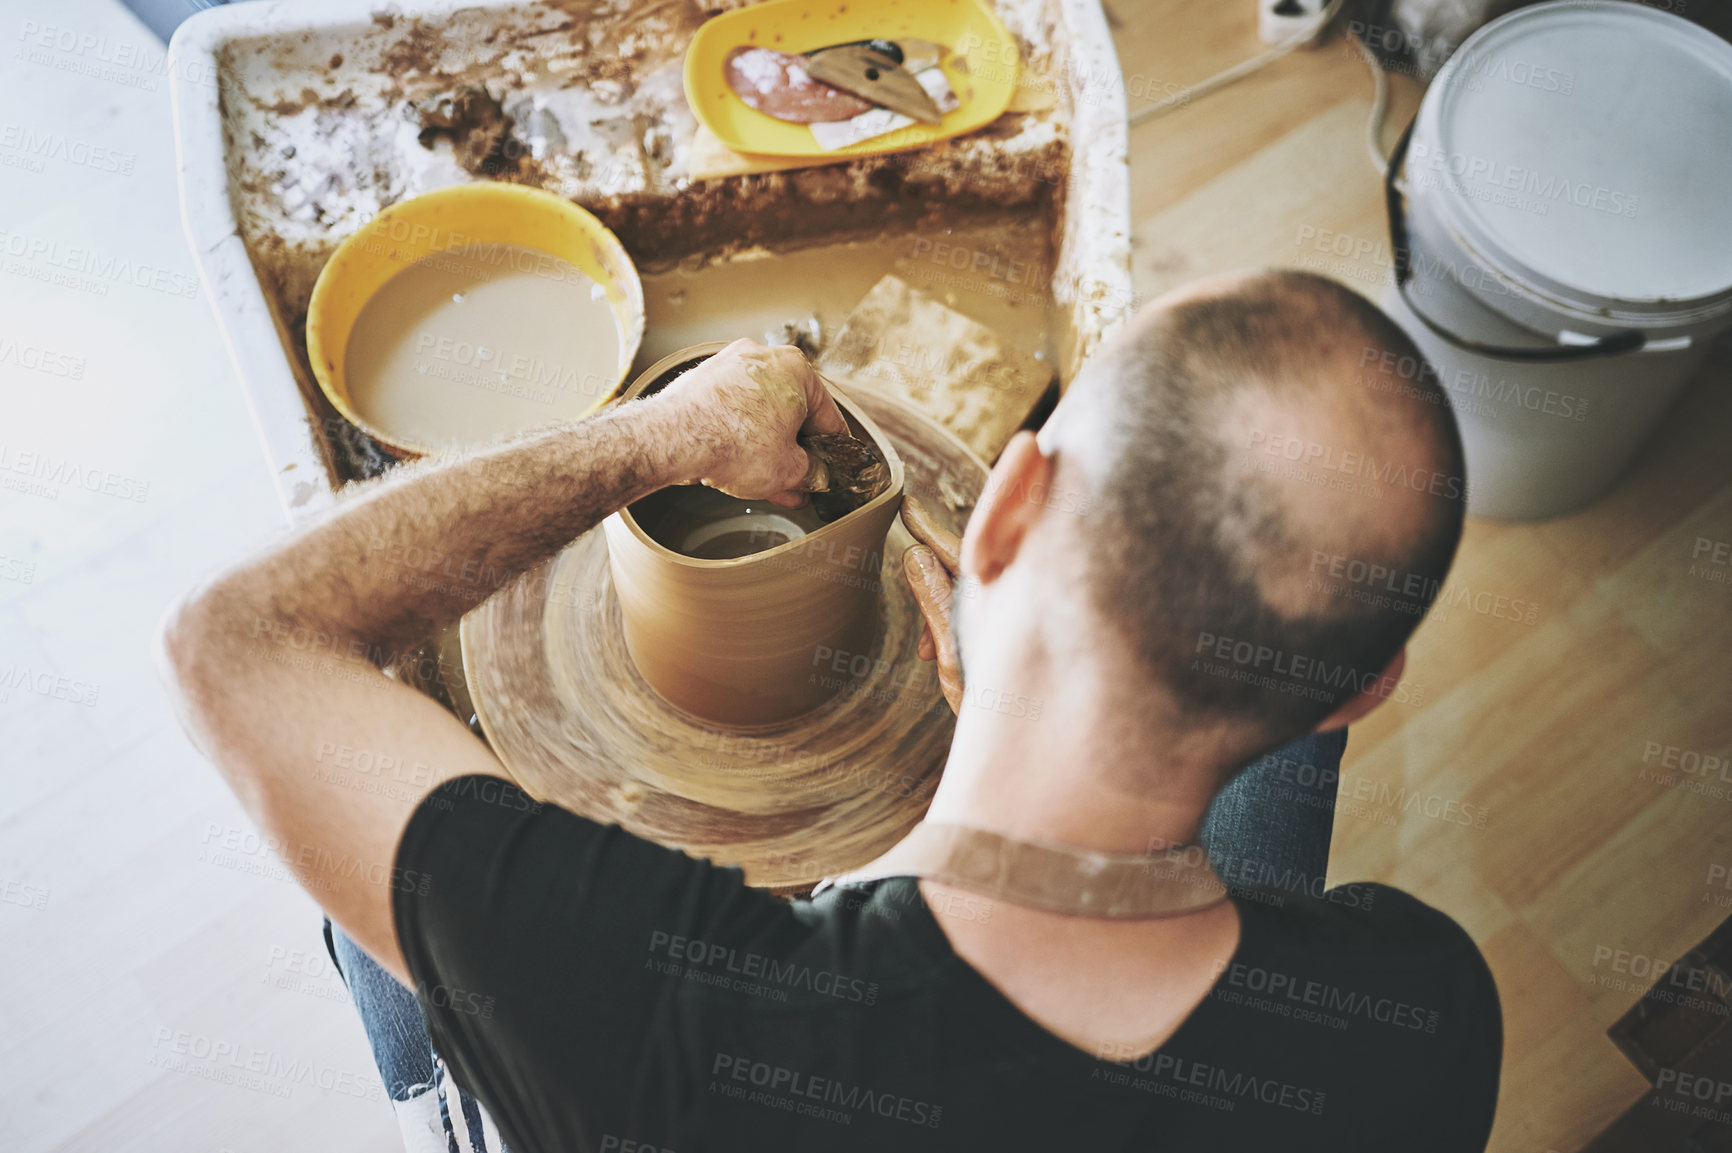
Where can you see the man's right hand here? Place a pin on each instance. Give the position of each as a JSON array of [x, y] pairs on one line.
[[740, 411], [931, 567]]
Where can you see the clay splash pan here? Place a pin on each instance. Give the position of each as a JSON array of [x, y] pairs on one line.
[[297, 124]]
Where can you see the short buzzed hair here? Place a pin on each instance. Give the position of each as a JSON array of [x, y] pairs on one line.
[[1266, 576]]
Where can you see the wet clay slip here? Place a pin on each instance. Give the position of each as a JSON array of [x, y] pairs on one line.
[[745, 640], [466, 347]]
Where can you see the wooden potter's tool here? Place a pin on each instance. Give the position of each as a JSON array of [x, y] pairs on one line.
[[575, 723]]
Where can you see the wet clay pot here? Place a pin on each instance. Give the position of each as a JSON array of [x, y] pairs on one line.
[[756, 639]]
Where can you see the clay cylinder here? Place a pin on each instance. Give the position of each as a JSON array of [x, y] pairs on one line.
[[754, 639]]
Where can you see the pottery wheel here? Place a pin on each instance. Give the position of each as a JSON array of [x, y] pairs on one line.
[[575, 724]]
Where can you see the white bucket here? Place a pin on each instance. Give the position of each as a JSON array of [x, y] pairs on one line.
[[1568, 178]]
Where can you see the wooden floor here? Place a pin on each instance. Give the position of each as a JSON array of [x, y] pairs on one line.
[[162, 982], [1541, 726]]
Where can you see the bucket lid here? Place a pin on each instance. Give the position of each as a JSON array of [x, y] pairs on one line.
[[1584, 147]]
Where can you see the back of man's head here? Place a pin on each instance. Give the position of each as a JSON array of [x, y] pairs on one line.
[[1276, 493]]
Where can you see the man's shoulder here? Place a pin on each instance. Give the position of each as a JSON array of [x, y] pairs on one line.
[[1378, 938], [1362, 917]]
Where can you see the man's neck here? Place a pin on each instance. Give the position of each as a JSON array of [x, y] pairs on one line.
[[1064, 762]]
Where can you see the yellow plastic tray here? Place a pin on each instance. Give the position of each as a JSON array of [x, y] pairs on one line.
[[969, 28]]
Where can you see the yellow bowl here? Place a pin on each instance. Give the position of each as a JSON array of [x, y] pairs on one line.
[[459, 217], [984, 82]]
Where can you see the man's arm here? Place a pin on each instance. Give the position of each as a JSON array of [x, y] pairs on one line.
[[273, 665]]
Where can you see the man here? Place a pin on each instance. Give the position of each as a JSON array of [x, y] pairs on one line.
[[1150, 569]]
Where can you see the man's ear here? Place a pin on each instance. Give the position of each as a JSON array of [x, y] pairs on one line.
[[1361, 703], [1013, 499]]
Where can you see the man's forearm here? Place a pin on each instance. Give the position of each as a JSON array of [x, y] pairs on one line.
[[412, 553], [394, 565]]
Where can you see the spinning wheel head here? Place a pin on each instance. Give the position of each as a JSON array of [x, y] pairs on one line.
[[567, 710]]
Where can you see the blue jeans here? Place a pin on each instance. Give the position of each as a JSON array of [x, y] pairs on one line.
[[433, 1114], [1271, 824]]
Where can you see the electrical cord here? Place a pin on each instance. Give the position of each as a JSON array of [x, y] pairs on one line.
[[1379, 105], [1379, 100]]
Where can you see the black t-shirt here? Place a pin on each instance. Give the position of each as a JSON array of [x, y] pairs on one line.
[[600, 992]]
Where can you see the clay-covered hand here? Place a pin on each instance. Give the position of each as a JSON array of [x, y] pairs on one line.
[[742, 409], [931, 567]]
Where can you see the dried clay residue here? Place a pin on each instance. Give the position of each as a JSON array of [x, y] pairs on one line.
[[341, 102], [479, 131]]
